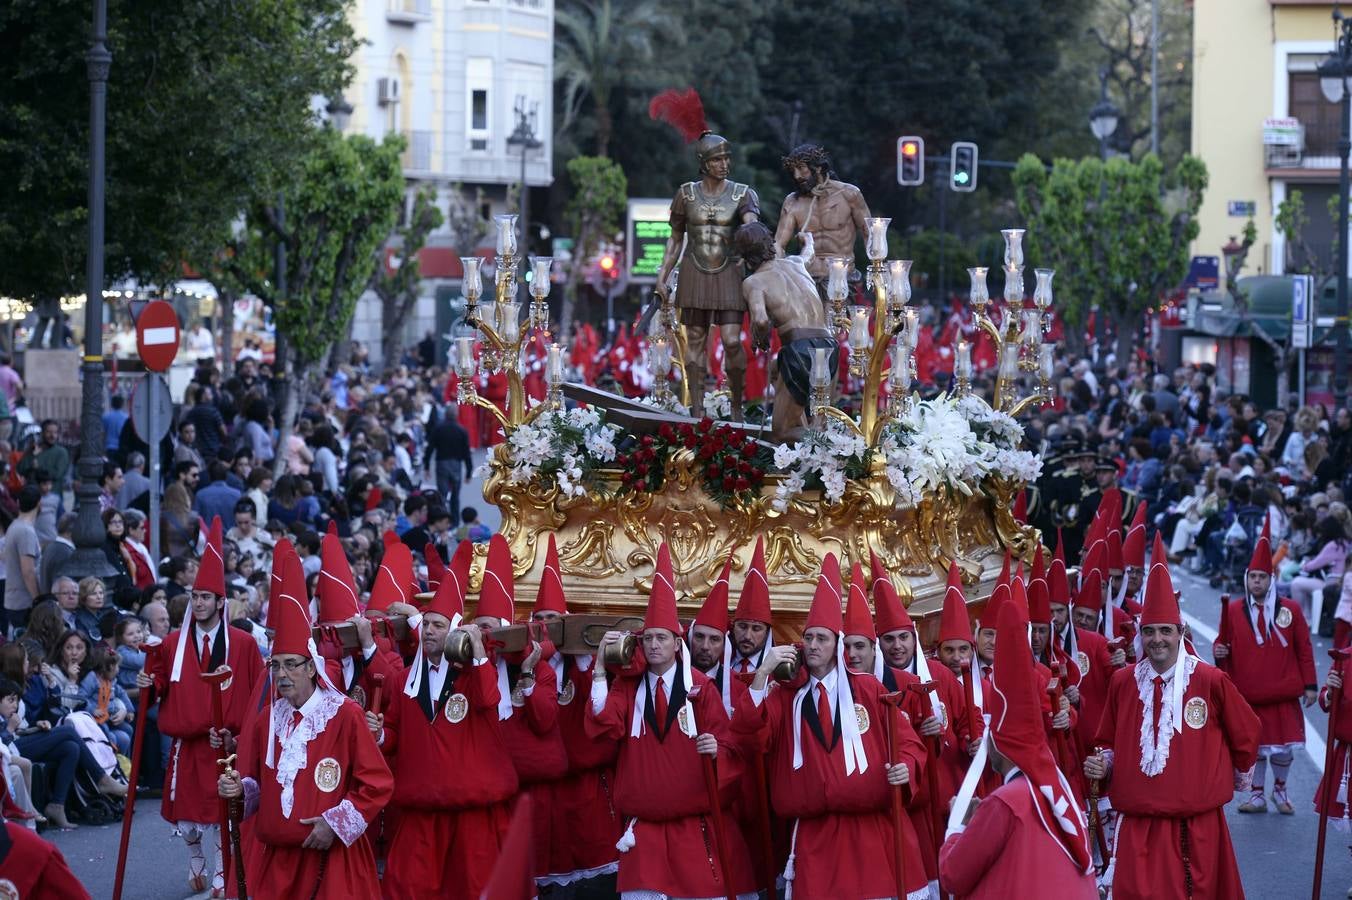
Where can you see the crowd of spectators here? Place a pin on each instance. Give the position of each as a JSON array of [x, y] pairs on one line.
[[390, 457]]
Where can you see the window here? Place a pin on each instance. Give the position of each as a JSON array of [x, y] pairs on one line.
[[479, 117], [1317, 115], [478, 111]]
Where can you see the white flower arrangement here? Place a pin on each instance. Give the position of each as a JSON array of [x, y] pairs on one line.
[[670, 403], [561, 448], [832, 456], [718, 405], [991, 425], [932, 446]]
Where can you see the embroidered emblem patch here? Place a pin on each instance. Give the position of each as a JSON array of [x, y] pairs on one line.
[[8, 890], [1194, 712], [861, 716], [328, 774], [358, 693], [1082, 660], [1283, 617], [683, 720], [566, 695], [457, 707]]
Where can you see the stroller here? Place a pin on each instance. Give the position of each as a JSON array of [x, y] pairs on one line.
[[86, 803]]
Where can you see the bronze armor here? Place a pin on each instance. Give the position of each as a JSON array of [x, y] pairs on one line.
[[710, 223]]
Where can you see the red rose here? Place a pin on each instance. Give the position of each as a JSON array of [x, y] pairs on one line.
[[744, 468], [641, 469], [622, 460], [706, 425], [729, 483], [743, 484], [712, 472], [691, 441], [666, 431], [749, 448], [626, 476], [647, 440]]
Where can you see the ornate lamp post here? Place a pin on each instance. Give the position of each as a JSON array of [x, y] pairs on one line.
[[1103, 117], [1334, 74], [88, 558], [523, 137]]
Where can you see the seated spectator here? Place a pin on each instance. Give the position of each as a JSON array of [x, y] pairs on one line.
[[66, 668], [57, 552], [89, 615], [471, 529], [18, 770], [1327, 562], [49, 620], [128, 636], [106, 700]]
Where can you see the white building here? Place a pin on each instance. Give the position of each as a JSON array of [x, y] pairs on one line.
[[451, 76]]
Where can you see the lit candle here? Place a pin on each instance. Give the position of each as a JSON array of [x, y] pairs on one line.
[[901, 368], [1009, 360], [540, 272], [859, 329], [1032, 327], [837, 277], [510, 328], [1047, 361], [876, 245], [980, 294], [899, 282], [659, 358], [464, 357], [506, 234], [962, 363], [473, 281], [1013, 285], [1013, 247], [820, 375], [554, 369], [911, 335], [1042, 293]]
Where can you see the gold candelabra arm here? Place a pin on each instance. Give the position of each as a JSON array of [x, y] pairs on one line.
[[492, 407], [490, 333], [869, 420], [680, 342], [1027, 403], [841, 415]]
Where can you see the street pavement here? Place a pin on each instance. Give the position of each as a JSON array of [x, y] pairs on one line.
[[1275, 852]]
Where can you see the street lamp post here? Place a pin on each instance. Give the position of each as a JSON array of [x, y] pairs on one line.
[[88, 558], [1334, 73], [524, 138], [1103, 117]]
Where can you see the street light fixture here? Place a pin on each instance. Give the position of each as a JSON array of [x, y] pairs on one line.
[[1334, 73], [524, 137], [340, 112], [1104, 116]]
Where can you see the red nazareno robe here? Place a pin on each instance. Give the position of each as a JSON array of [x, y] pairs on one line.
[[843, 839], [660, 792], [1092, 658], [1006, 844], [584, 824], [344, 779], [536, 749], [185, 715], [1271, 677], [32, 869], [1342, 736], [1187, 799], [453, 785]]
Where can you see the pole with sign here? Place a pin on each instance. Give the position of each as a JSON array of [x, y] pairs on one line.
[[152, 409], [1302, 322]]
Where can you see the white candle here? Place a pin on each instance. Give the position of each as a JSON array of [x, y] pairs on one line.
[[1013, 247], [1009, 360], [473, 280], [980, 294], [464, 357], [540, 271], [837, 277], [876, 245], [911, 335], [821, 371], [1042, 294], [962, 363], [506, 234], [554, 371], [1047, 361], [1013, 285], [899, 281], [510, 328], [901, 368], [859, 328]]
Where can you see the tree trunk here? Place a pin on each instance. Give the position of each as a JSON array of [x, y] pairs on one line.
[[1125, 337], [293, 389], [604, 127], [225, 304]]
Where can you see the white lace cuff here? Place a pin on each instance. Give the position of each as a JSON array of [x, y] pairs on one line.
[[251, 794], [599, 691], [346, 822]]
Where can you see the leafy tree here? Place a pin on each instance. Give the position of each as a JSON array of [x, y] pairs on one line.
[[1117, 233], [1290, 219], [596, 210], [340, 207], [398, 290], [209, 101], [1301, 257], [466, 220]]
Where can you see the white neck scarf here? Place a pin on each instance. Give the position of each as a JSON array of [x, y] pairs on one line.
[[852, 743], [1155, 745], [222, 632], [413, 683], [686, 720]]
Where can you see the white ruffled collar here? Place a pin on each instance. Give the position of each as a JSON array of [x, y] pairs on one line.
[[316, 713], [1155, 743]]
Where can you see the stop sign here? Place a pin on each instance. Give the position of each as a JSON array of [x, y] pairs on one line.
[[157, 335]]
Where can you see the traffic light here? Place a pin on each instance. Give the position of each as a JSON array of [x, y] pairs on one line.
[[910, 161], [962, 168], [609, 271], [606, 274]]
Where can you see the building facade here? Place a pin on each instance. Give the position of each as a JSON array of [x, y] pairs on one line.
[[455, 78]]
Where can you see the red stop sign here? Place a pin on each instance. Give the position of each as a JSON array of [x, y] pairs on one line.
[[157, 335]]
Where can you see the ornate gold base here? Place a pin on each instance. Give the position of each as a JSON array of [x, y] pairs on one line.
[[608, 542]]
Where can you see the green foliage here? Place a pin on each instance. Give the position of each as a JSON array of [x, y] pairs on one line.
[[1291, 221], [598, 201], [398, 290], [338, 210], [208, 103], [1117, 233], [466, 221]]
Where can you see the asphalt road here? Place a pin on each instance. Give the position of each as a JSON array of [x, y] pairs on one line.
[[1275, 852]]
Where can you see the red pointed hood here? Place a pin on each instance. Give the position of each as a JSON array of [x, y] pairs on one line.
[[1114, 543], [714, 612], [337, 589], [550, 597], [954, 624], [1021, 507], [1091, 592], [1267, 527], [1133, 548], [889, 614], [662, 601], [394, 578], [211, 570], [280, 552], [436, 569], [1004, 574], [1096, 560], [825, 611], [1261, 561], [754, 603], [497, 594], [289, 613], [1060, 547], [1039, 567], [449, 599], [999, 597], [1018, 595], [1017, 731], [858, 619], [1058, 584], [1161, 605], [1039, 602], [389, 539]]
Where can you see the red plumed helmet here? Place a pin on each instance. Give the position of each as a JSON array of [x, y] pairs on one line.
[[682, 110]]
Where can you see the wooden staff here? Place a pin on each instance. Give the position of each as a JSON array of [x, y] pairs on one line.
[[377, 695], [147, 699], [933, 748], [716, 816], [971, 702], [1095, 823], [1335, 700], [236, 810], [216, 681], [892, 703], [1062, 746]]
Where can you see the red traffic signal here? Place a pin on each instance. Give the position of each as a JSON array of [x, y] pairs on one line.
[[607, 264], [910, 160], [910, 148]]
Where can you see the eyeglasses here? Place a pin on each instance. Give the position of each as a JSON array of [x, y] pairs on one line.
[[277, 665]]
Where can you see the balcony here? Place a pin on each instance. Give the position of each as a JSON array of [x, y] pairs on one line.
[[408, 12], [418, 153], [1289, 143]]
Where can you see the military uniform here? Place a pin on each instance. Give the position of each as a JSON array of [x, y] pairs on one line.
[[1062, 492]]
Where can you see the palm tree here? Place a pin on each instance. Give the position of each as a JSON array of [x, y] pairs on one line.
[[601, 45]]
